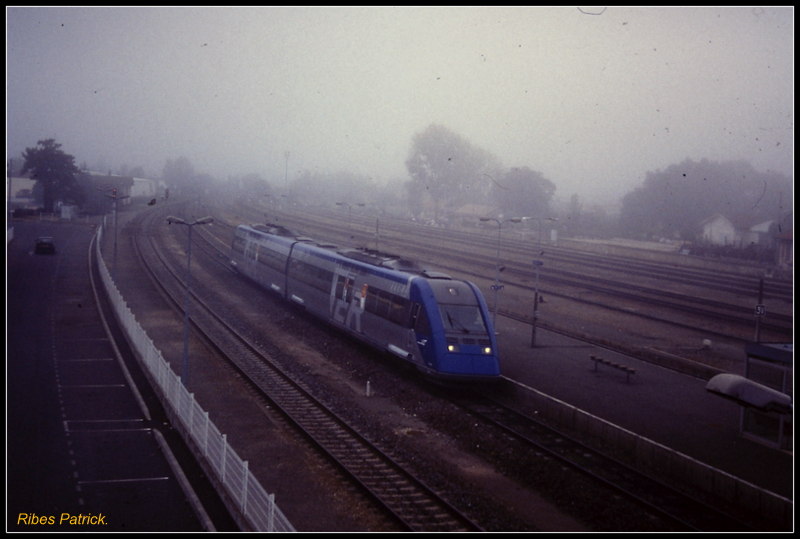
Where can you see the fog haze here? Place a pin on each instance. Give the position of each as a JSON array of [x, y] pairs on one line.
[[592, 98]]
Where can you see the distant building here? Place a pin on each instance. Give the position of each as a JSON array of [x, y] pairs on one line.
[[68, 211], [718, 230], [784, 246], [474, 212], [144, 188], [107, 183], [20, 192], [102, 189]]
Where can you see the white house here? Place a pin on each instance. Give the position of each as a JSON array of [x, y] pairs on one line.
[[719, 230], [758, 234], [142, 187]]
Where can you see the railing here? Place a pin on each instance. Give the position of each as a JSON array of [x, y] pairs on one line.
[[252, 502], [662, 462]]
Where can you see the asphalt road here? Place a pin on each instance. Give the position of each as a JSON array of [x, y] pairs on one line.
[[86, 449]]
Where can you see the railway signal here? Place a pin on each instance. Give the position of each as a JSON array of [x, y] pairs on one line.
[[761, 309]]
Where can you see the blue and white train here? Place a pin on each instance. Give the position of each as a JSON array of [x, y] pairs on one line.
[[439, 324]]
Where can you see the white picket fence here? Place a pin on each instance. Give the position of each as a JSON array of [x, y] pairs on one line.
[[253, 503]]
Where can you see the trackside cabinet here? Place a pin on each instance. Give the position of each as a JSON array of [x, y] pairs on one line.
[[770, 364]]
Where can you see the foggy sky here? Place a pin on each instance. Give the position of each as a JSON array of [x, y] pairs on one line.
[[593, 99]]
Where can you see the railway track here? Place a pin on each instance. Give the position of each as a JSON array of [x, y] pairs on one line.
[[699, 307], [411, 503], [676, 510], [679, 511]]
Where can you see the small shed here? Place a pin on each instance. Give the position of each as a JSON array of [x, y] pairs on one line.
[[784, 244], [770, 364]]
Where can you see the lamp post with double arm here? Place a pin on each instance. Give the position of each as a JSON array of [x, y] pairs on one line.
[[496, 287], [179, 221]]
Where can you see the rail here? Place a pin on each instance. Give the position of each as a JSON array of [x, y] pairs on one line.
[[662, 462], [255, 507]]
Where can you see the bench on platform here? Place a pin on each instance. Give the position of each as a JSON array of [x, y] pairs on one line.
[[624, 368]]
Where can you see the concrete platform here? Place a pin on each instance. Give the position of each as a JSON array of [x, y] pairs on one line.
[[666, 406]]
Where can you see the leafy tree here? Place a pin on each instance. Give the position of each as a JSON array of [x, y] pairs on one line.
[[179, 174], [447, 170], [523, 192], [54, 172], [673, 202], [574, 221]]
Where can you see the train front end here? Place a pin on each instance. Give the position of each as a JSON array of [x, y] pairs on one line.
[[459, 341]]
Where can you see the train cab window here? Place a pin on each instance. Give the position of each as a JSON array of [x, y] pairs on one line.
[[462, 319]]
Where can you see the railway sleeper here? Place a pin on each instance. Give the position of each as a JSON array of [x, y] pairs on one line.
[[624, 368]]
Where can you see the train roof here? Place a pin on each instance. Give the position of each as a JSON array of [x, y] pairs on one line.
[[277, 230], [365, 255], [384, 260]]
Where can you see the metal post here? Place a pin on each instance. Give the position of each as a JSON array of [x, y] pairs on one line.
[[496, 287], [286, 174], [759, 309], [115, 198], [115, 234], [349, 216], [536, 264], [185, 363], [186, 302]]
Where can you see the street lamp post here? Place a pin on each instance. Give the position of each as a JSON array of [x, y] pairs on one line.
[[115, 198], [286, 173], [179, 221], [536, 265], [496, 287], [350, 215]]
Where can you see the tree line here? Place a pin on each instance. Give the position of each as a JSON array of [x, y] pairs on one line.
[[447, 172]]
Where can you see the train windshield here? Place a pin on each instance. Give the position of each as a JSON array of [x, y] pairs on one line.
[[462, 319]]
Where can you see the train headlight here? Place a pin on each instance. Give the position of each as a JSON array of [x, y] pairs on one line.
[[487, 350], [452, 348]]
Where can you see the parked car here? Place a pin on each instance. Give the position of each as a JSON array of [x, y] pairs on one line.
[[45, 246]]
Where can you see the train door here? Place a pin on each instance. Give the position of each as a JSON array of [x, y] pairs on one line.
[[421, 334], [251, 251], [250, 258], [347, 301]]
